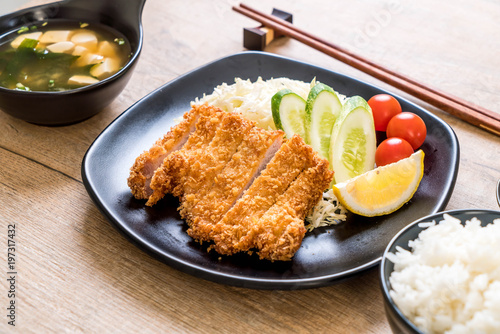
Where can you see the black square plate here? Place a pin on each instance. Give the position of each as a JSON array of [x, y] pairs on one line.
[[326, 254]]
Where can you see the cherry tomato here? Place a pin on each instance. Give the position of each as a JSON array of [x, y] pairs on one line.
[[384, 107], [392, 150], [409, 127]]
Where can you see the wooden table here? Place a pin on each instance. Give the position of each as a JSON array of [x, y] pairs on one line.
[[78, 274]]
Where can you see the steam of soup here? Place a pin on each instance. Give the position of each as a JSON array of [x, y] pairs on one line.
[[61, 56]]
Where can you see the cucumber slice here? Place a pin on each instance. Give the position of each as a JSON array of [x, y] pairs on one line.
[[322, 110], [353, 141], [289, 113]]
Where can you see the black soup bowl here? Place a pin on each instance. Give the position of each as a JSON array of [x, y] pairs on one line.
[[75, 105]]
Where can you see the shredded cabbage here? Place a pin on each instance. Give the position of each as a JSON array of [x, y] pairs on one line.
[[327, 212], [253, 99]]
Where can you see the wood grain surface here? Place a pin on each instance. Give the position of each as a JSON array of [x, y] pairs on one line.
[[76, 274]]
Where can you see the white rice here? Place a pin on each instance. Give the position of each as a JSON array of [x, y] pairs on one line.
[[450, 281]]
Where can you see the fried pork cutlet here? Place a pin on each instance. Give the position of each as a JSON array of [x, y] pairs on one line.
[[239, 186], [145, 165], [173, 170], [279, 232], [230, 233], [202, 172], [252, 156]]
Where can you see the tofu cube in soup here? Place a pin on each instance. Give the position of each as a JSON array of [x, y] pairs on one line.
[[61, 47], [107, 49], [82, 80], [55, 36], [88, 59], [85, 38], [106, 68], [79, 50], [16, 42]]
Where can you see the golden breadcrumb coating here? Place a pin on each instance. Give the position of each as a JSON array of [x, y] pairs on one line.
[[279, 232], [240, 187], [230, 232], [202, 172], [170, 175], [145, 165], [255, 151]]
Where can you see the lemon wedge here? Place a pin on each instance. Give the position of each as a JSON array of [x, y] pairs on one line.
[[382, 190]]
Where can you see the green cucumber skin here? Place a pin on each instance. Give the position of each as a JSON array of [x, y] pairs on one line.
[[350, 105], [276, 104], [311, 99]]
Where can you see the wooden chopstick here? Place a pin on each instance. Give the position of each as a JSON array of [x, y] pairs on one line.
[[347, 52], [460, 108]]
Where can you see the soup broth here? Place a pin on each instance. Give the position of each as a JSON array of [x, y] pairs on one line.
[[58, 56]]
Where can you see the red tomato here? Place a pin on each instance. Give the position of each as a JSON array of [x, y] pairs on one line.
[[392, 150], [409, 127], [384, 107]]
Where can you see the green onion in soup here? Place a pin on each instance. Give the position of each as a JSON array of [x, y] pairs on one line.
[[61, 56]]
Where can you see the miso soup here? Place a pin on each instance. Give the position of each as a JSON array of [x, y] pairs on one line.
[[61, 55]]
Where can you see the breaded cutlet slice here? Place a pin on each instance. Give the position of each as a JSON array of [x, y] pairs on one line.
[[252, 156], [175, 166], [146, 164], [203, 170], [278, 234], [229, 233]]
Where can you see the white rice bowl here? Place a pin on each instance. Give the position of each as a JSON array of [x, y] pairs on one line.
[[450, 280]]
